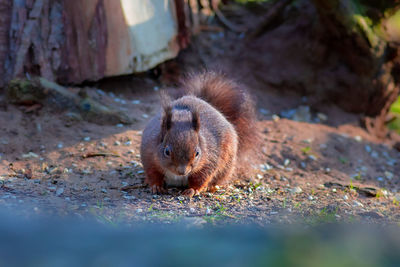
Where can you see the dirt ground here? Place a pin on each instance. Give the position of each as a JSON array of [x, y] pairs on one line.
[[318, 164]]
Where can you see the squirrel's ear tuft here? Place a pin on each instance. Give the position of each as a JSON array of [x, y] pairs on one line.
[[166, 121], [195, 121]]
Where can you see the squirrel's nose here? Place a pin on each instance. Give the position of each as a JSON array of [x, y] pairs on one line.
[[182, 170]]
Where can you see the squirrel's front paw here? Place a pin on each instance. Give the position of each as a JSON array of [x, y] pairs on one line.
[[157, 189], [190, 192]]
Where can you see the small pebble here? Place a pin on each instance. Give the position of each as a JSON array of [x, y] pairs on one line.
[[286, 162], [364, 168], [310, 197], [60, 145], [103, 144], [265, 167], [87, 139], [120, 125], [357, 204], [296, 190], [368, 148], [380, 179], [322, 116], [103, 190], [136, 102], [117, 143], [312, 157], [389, 175], [59, 191], [308, 141], [275, 118], [358, 138], [303, 164], [139, 210], [323, 146], [384, 192], [30, 155], [192, 210], [144, 115], [181, 198], [345, 197]]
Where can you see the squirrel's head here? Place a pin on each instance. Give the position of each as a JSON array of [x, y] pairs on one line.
[[181, 146]]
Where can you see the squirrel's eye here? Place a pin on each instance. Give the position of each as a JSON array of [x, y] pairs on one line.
[[197, 153], [167, 151]]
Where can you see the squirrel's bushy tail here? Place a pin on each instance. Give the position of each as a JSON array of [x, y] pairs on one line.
[[234, 102]]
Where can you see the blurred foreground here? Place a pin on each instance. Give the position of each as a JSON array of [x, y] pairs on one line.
[[50, 242]]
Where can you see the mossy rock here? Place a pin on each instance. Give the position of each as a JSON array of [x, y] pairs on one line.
[[22, 91]]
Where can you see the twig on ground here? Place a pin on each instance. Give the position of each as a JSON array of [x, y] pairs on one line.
[[92, 155]]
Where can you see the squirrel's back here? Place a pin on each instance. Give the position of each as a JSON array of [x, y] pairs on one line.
[[235, 104]]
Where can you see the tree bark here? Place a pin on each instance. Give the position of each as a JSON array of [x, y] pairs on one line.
[[74, 41], [5, 19]]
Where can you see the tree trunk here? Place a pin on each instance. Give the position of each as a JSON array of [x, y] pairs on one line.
[[5, 18], [372, 57], [74, 41]]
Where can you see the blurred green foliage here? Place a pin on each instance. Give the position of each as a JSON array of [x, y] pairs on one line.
[[395, 109]]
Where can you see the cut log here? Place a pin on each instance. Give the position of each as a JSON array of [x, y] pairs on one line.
[[76, 41]]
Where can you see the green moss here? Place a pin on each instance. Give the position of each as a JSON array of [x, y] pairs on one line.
[[24, 91], [395, 108]]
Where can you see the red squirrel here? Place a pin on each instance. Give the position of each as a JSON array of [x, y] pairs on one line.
[[201, 139]]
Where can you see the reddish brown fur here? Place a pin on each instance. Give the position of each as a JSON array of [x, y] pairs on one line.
[[234, 102], [200, 135]]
